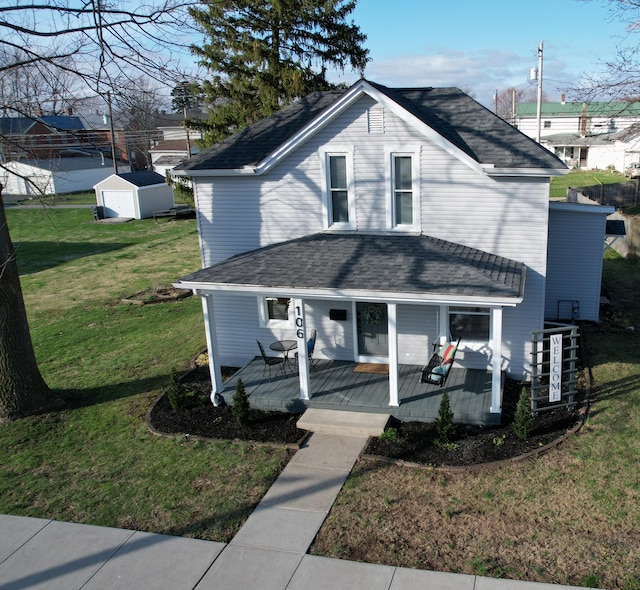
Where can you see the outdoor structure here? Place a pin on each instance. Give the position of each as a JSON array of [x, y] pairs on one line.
[[176, 144], [35, 178], [586, 135], [135, 195], [385, 220]]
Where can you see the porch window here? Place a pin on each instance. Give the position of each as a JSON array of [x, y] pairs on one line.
[[274, 311], [402, 191], [469, 323]]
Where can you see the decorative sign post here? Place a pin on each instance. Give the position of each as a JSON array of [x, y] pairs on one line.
[[303, 360], [555, 368]]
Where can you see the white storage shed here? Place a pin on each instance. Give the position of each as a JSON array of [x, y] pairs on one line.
[[134, 194]]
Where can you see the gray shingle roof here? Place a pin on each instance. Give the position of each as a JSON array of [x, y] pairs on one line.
[[449, 111], [411, 264], [475, 130], [252, 144], [145, 178]]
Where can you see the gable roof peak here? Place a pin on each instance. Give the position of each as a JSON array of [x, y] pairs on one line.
[[447, 116]]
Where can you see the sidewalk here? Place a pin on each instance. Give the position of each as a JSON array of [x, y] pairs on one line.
[[269, 551]]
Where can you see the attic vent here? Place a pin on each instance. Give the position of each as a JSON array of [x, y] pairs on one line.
[[375, 119]]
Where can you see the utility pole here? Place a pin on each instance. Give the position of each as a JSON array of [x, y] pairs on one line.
[[113, 136], [539, 111]]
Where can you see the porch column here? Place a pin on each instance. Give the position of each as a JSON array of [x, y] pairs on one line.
[[496, 360], [303, 356], [392, 314], [212, 344]]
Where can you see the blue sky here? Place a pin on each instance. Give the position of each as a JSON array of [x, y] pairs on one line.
[[484, 45]]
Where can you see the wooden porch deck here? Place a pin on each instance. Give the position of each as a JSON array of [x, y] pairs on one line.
[[335, 385]]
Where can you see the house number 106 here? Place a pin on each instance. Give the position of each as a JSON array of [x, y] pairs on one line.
[[299, 322]]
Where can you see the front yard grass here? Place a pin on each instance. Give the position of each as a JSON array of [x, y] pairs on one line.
[[569, 517], [94, 461]]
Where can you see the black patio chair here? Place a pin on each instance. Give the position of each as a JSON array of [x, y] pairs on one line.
[[270, 361]]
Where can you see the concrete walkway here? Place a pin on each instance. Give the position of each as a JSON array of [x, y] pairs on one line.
[[269, 551]]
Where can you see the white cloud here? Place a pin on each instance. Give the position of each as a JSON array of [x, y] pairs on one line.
[[481, 72]]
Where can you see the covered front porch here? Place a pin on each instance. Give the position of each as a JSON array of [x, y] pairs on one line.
[[336, 385]]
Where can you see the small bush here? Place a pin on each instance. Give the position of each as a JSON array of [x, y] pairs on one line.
[[176, 394], [444, 423], [523, 419], [241, 405], [392, 435]]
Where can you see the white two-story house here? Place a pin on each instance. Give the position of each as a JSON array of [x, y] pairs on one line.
[[383, 219]]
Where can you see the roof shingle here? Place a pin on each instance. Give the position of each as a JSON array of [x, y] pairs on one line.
[[372, 263], [450, 112]]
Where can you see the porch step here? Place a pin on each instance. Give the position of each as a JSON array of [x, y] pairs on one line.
[[342, 422]]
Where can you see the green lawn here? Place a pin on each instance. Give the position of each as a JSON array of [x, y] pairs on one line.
[[576, 178], [569, 517], [94, 461]]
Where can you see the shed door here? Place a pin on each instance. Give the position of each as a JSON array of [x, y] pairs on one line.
[[118, 204]]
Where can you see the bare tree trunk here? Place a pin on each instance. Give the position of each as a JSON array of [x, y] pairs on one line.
[[23, 391]]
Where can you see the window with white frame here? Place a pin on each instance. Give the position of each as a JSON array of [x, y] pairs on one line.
[[469, 323], [402, 179], [274, 311], [402, 190], [339, 189], [339, 200]]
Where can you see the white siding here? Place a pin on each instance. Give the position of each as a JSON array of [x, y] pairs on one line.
[[507, 217], [417, 331], [576, 242], [595, 125]]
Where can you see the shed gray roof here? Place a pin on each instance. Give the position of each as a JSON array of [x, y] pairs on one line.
[[456, 116], [145, 178], [370, 263]]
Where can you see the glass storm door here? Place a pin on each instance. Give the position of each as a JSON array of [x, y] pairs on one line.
[[372, 330]]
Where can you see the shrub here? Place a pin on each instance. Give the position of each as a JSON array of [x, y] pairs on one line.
[[392, 435], [241, 405], [444, 423], [523, 419], [176, 394]]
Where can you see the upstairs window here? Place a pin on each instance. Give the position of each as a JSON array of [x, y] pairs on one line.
[[339, 198], [403, 190], [339, 189]]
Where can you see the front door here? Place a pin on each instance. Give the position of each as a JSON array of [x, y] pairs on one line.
[[373, 343]]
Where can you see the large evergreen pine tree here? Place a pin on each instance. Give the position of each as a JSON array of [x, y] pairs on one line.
[[263, 54]]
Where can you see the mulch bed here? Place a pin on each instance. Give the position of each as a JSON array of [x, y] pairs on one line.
[[474, 445], [157, 295], [416, 442], [201, 418]]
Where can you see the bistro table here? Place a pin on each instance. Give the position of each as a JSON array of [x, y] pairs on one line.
[[284, 346]]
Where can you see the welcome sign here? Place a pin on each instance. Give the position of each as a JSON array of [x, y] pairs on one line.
[[555, 368]]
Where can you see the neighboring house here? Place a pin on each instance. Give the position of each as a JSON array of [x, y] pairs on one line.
[[385, 219], [176, 144], [135, 195], [586, 135], [53, 176], [54, 154]]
